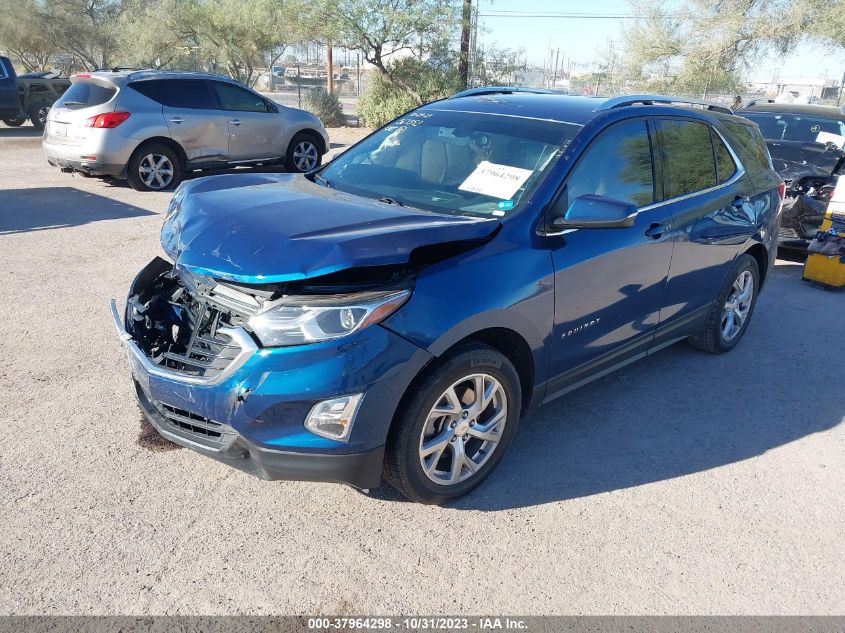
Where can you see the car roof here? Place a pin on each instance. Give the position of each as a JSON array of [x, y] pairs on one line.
[[121, 76], [831, 112], [564, 108]]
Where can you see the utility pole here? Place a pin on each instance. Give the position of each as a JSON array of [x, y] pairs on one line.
[[330, 68], [466, 24]]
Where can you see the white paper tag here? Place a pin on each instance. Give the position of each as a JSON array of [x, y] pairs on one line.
[[499, 181], [827, 137]]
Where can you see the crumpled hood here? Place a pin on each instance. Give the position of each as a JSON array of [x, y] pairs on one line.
[[267, 228]]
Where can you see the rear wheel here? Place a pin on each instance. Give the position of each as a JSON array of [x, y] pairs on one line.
[[17, 122], [453, 431], [153, 167], [304, 153], [38, 116], [731, 313]]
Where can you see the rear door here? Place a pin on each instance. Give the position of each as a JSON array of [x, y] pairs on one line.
[[709, 195], [255, 126], [195, 121], [9, 104], [609, 282]]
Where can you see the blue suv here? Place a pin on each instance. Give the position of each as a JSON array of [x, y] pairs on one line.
[[397, 311]]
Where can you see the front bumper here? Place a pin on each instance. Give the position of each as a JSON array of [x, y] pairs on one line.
[[255, 410], [362, 470]]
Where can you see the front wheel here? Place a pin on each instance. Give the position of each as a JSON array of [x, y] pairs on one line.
[[732, 310], [16, 122], [452, 432], [303, 154]]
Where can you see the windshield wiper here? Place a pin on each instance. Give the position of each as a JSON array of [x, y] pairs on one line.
[[69, 103], [387, 200]]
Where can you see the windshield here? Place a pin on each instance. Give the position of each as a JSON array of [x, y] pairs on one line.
[[798, 127], [451, 162]]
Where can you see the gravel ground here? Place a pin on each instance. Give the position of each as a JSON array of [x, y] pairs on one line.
[[684, 484]]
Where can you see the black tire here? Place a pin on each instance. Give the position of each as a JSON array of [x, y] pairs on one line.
[[403, 467], [133, 168], [38, 115], [711, 339], [19, 121], [293, 162]]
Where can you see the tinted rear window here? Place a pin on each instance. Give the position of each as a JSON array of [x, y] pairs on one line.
[[192, 94], [747, 141], [688, 164], [152, 89], [794, 127], [85, 94]]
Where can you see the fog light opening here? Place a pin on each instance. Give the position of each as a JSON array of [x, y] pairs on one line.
[[334, 418]]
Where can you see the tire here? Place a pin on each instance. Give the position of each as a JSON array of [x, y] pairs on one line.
[[15, 122], [304, 153], [416, 422], [717, 337], [147, 172], [38, 115]]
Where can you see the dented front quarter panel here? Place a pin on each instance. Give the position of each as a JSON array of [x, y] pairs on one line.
[[271, 228]]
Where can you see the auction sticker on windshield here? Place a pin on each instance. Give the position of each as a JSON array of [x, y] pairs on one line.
[[498, 181]]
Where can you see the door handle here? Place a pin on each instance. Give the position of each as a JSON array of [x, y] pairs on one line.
[[176, 119], [235, 121], [656, 230]]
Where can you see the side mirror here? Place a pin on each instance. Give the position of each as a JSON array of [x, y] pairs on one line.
[[595, 212]]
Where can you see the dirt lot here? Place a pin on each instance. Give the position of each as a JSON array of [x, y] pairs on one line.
[[683, 484]]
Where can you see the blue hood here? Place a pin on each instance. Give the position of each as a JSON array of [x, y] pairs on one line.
[[267, 228]]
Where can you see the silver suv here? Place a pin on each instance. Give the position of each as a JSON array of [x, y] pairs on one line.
[[151, 127]]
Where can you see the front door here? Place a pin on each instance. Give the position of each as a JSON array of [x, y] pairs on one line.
[[609, 282], [255, 126], [196, 122]]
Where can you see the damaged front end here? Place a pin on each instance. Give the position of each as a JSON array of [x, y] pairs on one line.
[[810, 172]]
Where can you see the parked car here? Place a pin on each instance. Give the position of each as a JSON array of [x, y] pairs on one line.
[[153, 127], [402, 308], [806, 144], [10, 109], [37, 93]]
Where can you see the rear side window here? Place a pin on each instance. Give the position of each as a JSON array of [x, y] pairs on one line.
[[4, 74], [688, 164], [725, 165], [237, 99], [154, 89], [747, 141], [192, 94], [85, 94], [617, 164]]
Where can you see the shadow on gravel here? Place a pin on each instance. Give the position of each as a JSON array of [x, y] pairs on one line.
[[24, 131], [38, 209], [681, 411]]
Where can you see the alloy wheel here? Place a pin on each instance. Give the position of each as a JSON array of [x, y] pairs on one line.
[[305, 156], [737, 306], [463, 429], [156, 171], [43, 111]]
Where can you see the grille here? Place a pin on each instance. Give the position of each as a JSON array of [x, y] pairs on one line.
[[202, 344], [788, 234], [838, 216], [200, 429]]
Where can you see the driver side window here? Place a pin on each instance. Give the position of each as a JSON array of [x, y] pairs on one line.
[[617, 164]]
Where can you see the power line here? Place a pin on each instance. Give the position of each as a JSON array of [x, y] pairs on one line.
[[576, 16]]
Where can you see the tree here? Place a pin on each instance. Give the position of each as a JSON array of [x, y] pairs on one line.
[[24, 38], [84, 28], [382, 30], [698, 46]]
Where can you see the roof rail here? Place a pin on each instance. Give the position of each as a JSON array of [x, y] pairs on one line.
[[756, 101], [621, 102], [503, 90]]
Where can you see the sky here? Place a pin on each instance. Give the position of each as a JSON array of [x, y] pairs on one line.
[[580, 39]]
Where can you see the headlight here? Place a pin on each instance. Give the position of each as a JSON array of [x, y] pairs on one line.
[[295, 320]]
